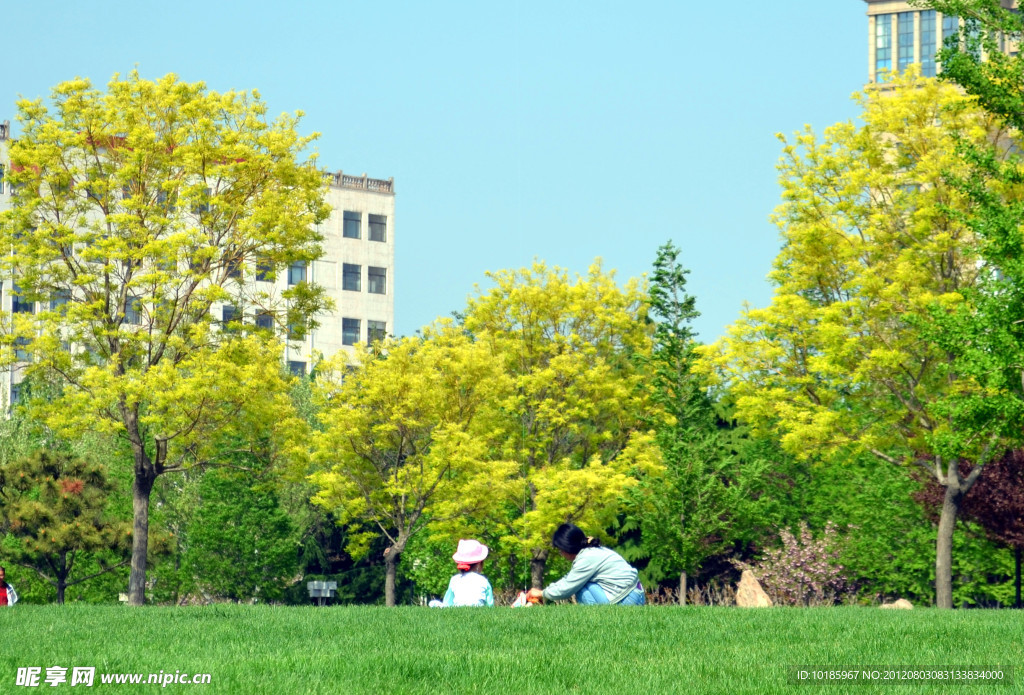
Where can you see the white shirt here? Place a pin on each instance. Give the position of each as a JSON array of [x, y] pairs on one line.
[[469, 589]]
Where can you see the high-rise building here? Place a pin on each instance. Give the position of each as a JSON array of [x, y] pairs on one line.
[[356, 270], [900, 34]]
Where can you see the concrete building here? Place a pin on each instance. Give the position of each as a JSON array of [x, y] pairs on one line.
[[900, 35], [356, 270]]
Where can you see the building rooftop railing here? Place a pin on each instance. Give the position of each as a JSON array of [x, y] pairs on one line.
[[363, 183]]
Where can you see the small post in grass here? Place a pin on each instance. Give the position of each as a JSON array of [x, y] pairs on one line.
[[322, 591]]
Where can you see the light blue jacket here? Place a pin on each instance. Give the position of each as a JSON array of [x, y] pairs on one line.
[[604, 567], [469, 589]]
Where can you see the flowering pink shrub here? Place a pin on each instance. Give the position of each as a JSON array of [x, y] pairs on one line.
[[804, 571]]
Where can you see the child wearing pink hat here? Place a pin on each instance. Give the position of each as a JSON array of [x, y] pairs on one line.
[[469, 587]]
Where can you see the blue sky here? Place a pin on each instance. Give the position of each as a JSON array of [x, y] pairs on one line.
[[562, 131]]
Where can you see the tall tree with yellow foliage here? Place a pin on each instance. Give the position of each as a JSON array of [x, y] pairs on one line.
[[136, 210], [573, 419], [406, 438], [873, 241]]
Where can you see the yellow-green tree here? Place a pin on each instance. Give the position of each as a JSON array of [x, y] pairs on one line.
[[136, 212], [405, 439], [872, 241], [573, 419]]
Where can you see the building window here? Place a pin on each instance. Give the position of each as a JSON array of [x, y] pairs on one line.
[[195, 264], [351, 277], [20, 352], [972, 30], [166, 202], [15, 394], [59, 299], [350, 329], [93, 356], [378, 228], [950, 28], [168, 264], [352, 223], [229, 314], [264, 270], [297, 368], [265, 320], [19, 305], [133, 311], [234, 267], [904, 40], [202, 206], [883, 44], [1, 178], [928, 43], [376, 280], [376, 331], [297, 273], [163, 312]]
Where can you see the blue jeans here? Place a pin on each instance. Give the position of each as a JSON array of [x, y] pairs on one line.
[[593, 595]]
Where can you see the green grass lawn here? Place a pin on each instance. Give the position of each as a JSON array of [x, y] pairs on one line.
[[550, 649]]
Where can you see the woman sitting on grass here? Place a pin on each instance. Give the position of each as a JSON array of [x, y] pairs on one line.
[[598, 575]]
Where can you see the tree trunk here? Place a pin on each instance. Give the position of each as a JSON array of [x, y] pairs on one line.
[[62, 577], [682, 588], [1016, 583], [142, 487], [944, 543], [538, 563], [390, 574], [177, 567], [512, 569], [391, 557]]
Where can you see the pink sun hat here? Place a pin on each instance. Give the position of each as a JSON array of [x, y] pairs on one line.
[[470, 552]]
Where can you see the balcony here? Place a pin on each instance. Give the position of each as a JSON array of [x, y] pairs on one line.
[[362, 183]]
